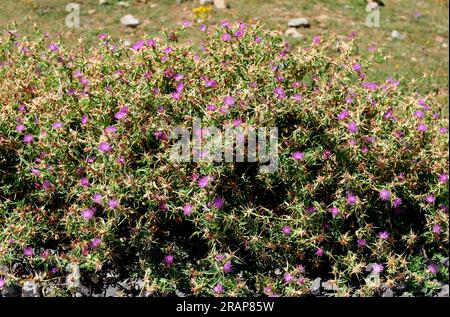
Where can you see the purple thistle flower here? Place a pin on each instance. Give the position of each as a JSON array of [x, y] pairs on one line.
[[84, 182], [113, 204], [53, 47], [443, 130], [97, 198], [20, 128], [168, 260], [384, 235], [226, 37], [288, 278], [443, 178], [377, 268], [57, 125], [370, 86], [385, 194], [419, 114], [298, 156], [316, 40], [286, 230], [203, 181], [437, 229], [357, 67], [218, 289], [430, 199], [422, 127], [111, 129], [104, 147], [352, 199], [28, 138], [334, 211], [352, 127], [187, 209], [84, 119], [361, 243], [433, 268], [397, 202], [220, 257], [326, 154], [218, 202], [344, 114], [88, 213], [151, 43], [28, 251], [319, 252], [279, 93], [229, 101], [227, 267], [95, 242]]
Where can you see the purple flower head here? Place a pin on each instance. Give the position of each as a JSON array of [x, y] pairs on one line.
[[95, 242], [430, 199], [397, 202], [384, 235], [229, 101], [53, 47], [186, 24], [84, 119], [97, 198], [361, 243], [279, 93], [316, 40], [352, 199], [357, 67], [88, 213], [28, 138], [352, 127], [344, 114], [349, 99], [326, 154], [57, 125], [226, 37], [113, 204], [104, 147], [377, 268], [203, 181], [28, 251], [151, 43], [218, 289], [298, 156], [286, 230], [335, 211], [111, 129], [20, 128], [218, 202], [385, 194], [419, 114], [443, 178], [437, 229], [187, 209], [84, 182], [220, 257], [422, 127], [138, 45], [370, 86], [168, 260], [319, 252], [227, 267], [433, 268], [288, 278]]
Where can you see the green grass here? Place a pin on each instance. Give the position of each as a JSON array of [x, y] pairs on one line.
[[420, 61]]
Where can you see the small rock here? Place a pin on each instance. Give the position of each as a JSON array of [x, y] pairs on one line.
[[369, 267], [387, 292], [396, 35], [406, 294], [92, 11], [112, 291], [299, 22], [444, 291], [206, 2], [84, 290], [292, 32], [329, 287], [220, 4], [315, 286], [372, 6], [129, 20], [30, 289], [180, 293], [13, 290], [379, 2]]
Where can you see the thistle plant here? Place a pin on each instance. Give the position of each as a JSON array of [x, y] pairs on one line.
[[87, 180]]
